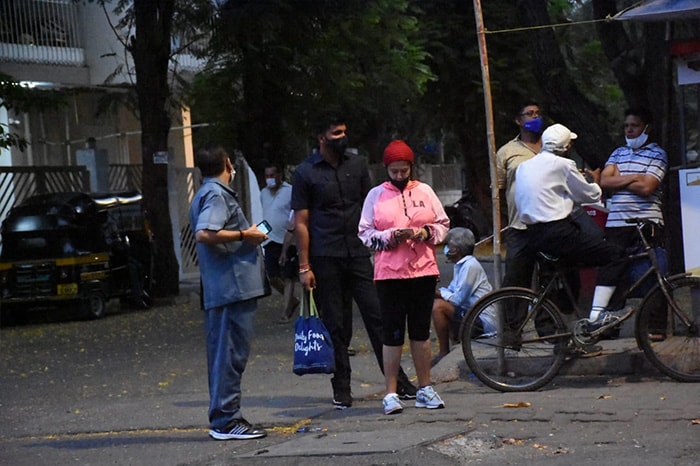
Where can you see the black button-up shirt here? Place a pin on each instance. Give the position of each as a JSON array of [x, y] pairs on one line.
[[334, 198]]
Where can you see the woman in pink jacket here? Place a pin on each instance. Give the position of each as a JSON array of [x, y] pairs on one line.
[[402, 220]]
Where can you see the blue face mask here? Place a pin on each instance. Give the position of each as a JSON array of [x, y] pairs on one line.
[[534, 125], [447, 250]]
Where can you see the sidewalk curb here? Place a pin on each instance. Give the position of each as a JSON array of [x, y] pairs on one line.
[[620, 357]]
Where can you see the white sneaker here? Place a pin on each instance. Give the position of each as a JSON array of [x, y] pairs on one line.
[[427, 398], [392, 404]]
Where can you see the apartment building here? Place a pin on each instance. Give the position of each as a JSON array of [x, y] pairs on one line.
[[74, 47]]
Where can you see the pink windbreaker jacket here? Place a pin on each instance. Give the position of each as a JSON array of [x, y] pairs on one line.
[[385, 210]]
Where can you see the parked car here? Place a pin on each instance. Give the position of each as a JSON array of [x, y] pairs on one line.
[[75, 248]]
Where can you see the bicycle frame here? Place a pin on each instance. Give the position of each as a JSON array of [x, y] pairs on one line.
[[558, 280], [532, 340]]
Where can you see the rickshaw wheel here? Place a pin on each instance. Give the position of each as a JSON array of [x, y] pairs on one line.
[[94, 305]]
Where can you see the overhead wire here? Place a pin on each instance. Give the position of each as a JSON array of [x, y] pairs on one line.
[[545, 26]]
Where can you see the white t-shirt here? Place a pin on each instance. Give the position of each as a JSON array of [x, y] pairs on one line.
[[548, 186], [276, 208]]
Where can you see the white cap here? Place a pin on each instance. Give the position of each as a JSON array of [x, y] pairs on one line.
[[557, 137]]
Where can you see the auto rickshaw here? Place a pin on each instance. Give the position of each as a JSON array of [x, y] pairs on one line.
[[75, 248]]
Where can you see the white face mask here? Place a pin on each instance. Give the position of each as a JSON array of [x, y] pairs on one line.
[[271, 182], [639, 141], [233, 175]]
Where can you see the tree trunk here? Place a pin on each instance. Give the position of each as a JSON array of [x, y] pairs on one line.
[[565, 102], [619, 48], [151, 52]]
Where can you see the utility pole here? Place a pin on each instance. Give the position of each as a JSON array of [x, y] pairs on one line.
[[490, 137]]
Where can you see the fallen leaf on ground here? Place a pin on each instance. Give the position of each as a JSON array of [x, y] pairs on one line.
[[604, 397], [520, 404], [695, 422], [288, 430]]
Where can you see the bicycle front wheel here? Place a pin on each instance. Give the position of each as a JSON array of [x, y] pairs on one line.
[[669, 335], [513, 341]]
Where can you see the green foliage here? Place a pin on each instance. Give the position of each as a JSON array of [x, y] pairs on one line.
[[588, 65], [280, 63]]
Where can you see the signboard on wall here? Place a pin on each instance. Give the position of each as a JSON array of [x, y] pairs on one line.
[[687, 56], [689, 181]]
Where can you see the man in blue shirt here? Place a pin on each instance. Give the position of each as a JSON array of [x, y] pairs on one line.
[[328, 191], [232, 277]]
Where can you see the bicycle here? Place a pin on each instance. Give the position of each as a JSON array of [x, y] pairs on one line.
[[512, 354]]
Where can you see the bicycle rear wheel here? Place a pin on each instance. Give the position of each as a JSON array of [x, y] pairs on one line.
[[514, 342], [678, 353]]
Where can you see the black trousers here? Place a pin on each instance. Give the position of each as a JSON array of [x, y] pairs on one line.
[[520, 259], [339, 280], [579, 241]]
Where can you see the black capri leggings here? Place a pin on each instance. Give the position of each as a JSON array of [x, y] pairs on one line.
[[402, 300]]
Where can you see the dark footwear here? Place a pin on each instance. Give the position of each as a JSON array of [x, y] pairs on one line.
[[342, 399], [241, 430], [351, 351], [612, 334], [406, 390]]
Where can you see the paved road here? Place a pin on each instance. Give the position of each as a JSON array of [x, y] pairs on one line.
[[131, 389]]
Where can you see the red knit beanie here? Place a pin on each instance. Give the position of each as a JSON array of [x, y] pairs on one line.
[[396, 151]]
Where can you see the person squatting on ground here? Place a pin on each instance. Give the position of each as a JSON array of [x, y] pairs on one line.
[[232, 271], [327, 194], [469, 283], [633, 175], [549, 186], [402, 220], [276, 200]]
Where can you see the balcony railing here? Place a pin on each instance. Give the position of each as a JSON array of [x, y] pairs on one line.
[[40, 31]]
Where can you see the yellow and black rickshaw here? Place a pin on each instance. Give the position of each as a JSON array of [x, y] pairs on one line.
[[75, 248]]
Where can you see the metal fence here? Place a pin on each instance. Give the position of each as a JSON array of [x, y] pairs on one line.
[[40, 31], [183, 184], [18, 183]]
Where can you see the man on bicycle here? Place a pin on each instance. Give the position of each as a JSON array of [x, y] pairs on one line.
[[548, 188]]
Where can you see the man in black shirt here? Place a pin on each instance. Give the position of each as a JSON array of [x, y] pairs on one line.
[[328, 191]]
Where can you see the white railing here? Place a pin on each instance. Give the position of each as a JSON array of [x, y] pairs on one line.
[[40, 31]]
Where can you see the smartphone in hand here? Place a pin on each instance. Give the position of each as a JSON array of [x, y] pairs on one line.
[[264, 227]]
